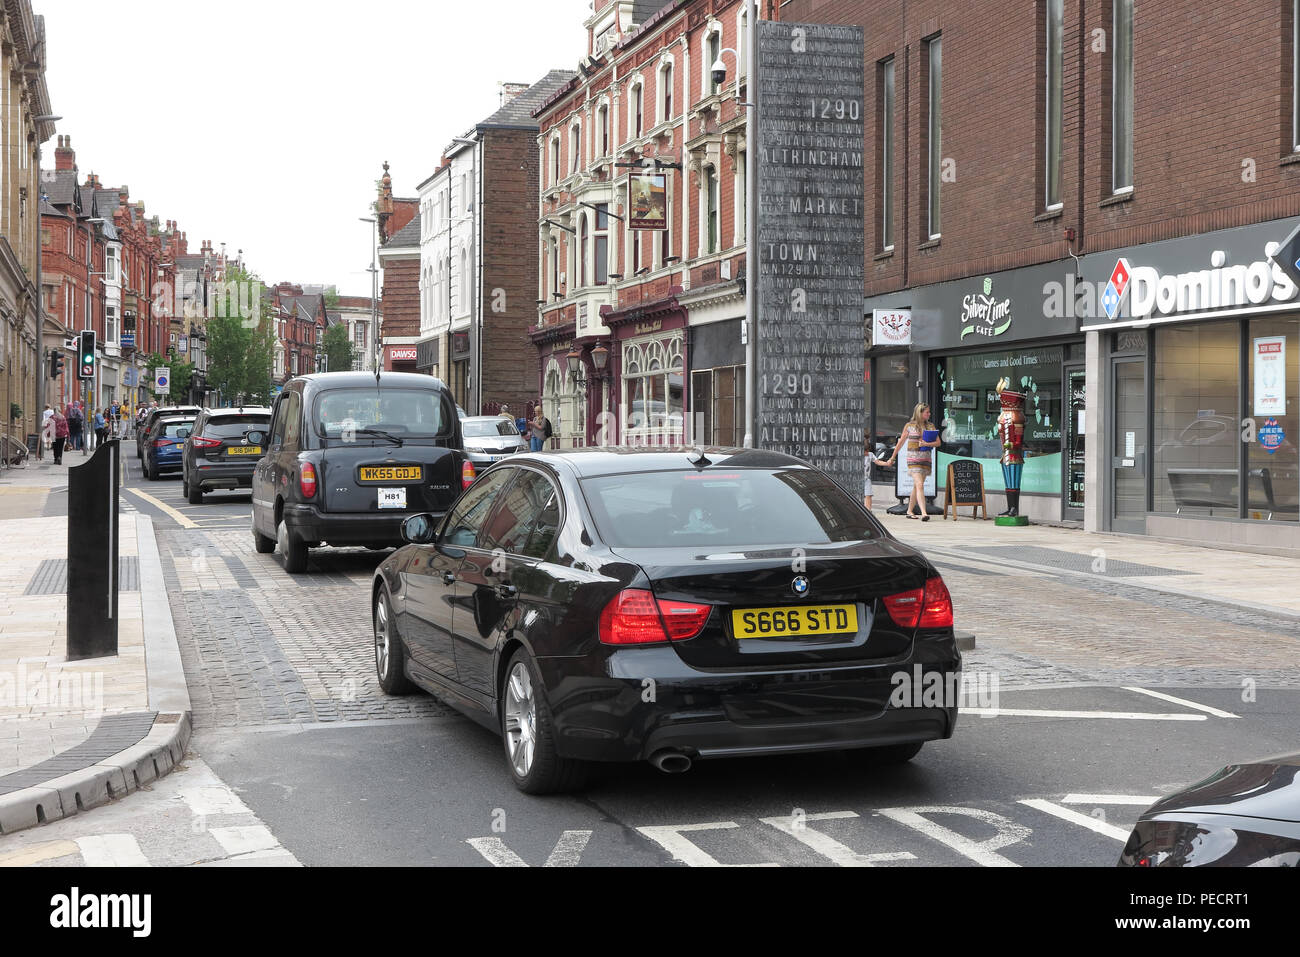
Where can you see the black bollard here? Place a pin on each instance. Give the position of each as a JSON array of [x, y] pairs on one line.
[[92, 554]]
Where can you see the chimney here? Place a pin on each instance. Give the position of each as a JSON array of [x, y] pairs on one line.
[[64, 157], [511, 90], [123, 195]]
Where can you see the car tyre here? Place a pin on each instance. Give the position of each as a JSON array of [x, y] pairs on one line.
[[390, 650], [261, 543], [150, 476], [893, 753], [528, 733], [193, 494], [292, 548]]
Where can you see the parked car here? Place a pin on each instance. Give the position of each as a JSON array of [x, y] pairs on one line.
[[218, 454], [1243, 815], [348, 457], [154, 414], [560, 587], [163, 445], [490, 438]]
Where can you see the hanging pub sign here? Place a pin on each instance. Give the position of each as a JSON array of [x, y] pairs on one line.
[[647, 201]]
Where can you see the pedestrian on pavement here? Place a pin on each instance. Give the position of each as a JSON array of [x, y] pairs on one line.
[[76, 425], [101, 426], [47, 427], [868, 460], [60, 435], [537, 431], [918, 457]]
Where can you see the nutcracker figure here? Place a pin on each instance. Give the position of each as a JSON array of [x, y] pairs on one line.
[[1011, 431]]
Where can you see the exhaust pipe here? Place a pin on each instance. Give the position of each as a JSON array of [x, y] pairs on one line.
[[671, 762]]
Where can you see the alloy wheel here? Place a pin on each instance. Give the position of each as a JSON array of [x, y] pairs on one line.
[[381, 637], [521, 719]]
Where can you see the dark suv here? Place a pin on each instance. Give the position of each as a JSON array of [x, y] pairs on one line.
[[153, 415], [218, 454], [349, 457]]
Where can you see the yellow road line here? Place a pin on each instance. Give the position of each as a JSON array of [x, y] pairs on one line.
[[176, 516], [38, 852]]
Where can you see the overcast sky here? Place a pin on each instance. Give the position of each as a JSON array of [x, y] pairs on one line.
[[264, 124]]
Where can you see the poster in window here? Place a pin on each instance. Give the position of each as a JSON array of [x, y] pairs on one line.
[[1270, 375], [647, 201]]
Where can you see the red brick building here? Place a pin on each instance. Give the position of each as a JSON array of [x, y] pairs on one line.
[[300, 322], [1027, 154], [399, 261], [651, 305]]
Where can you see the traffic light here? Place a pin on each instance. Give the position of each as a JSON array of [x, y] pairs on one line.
[[86, 355], [56, 365]]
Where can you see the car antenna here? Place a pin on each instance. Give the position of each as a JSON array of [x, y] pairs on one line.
[[697, 458]]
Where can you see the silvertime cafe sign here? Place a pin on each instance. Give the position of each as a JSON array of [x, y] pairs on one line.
[[810, 245]]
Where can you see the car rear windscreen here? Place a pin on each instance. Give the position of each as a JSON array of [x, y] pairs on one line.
[[416, 412], [234, 426], [170, 429], [722, 507], [480, 429]]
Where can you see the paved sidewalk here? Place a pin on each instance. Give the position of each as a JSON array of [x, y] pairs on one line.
[[74, 734], [1267, 583]]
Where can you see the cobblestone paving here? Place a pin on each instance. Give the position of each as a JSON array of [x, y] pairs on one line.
[[263, 647]]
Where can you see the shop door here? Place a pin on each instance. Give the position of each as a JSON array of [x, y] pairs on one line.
[[1129, 445], [1075, 431]]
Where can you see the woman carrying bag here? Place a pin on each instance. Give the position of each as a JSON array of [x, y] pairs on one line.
[[918, 456]]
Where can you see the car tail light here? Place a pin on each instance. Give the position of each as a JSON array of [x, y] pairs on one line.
[[936, 610], [634, 617], [307, 480], [467, 475], [161, 443], [930, 607], [200, 443]]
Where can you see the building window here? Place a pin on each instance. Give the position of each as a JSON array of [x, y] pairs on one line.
[[1295, 74], [555, 160], [1055, 100], [1273, 460], [600, 265], [575, 147], [718, 406], [464, 280], [713, 50], [934, 133], [887, 154], [742, 38], [740, 198], [555, 265], [1122, 95], [710, 210], [1197, 435], [110, 325], [602, 129], [652, 389], [636, 109], [665, 93], [581, 264]]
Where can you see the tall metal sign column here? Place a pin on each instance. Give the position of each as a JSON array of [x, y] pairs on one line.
[[810, 246], [93, 554]]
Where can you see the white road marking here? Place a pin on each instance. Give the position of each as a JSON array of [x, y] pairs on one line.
[[827, 846], [244, 840], [981, 852], [212, 799], [1041, 713], [1141, 800], [111, 850], [669, 837], [1184, 702], [1075, 817], [566, 853]]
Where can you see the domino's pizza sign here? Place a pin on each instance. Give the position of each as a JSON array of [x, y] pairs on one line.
[[1115, 288], [1271, 435]]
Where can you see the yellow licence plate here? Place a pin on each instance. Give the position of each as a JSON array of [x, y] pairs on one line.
[[392, 473], [244, 450], [801, 621]]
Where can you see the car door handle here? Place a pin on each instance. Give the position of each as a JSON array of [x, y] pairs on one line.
[[449, 578], [507, 592]]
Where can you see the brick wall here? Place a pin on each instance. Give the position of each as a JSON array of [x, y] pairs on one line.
[[1211, 91], [399, 299]]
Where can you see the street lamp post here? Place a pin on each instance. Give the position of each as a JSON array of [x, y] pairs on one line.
[[374, 291], [41, 388], [475, 322]]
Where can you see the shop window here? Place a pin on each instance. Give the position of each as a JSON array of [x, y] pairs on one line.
[[718, 406], [652, 391], [600, 245], [1273, 459], [1196, 434], [969, 406]]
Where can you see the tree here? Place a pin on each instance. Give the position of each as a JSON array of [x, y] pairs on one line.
[[338, 348], [331, 298], [241, 348]]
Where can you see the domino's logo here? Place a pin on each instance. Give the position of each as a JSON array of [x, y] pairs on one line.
[[1115, 288]]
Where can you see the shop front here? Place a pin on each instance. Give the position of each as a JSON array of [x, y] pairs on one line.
[[400, 357], [564, 399], [648, 368], [717, 364], [952, 345], [1197, 368], [428, 351]]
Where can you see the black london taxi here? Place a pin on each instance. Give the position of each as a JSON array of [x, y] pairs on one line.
[[349, 456]]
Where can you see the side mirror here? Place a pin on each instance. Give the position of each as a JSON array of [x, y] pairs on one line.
[[257, 437], [420, 530]]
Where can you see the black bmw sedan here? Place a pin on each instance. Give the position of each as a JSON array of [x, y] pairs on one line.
[[1243, 815], [666, 605]]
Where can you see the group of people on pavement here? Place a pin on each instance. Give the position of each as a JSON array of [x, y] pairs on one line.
[[535, 428], [67, 427]]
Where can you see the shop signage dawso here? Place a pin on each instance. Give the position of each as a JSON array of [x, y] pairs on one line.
[[986, 314]]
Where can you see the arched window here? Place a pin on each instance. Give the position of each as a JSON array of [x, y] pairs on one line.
[[575, 147], [464, 279], [666, 91], [581, 264], [635, 115], [555, 159], [712, 51], [602, 130]]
